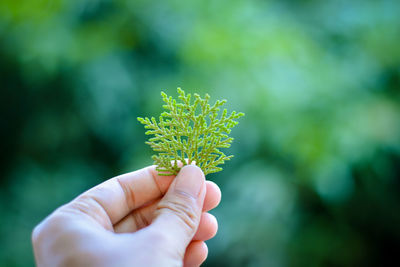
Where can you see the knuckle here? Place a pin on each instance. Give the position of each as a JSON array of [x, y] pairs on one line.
[[89, 206], [52, 227], [46, 233], [35, 236], [83, 204], [40, 231], [185, 212], [128, 193]]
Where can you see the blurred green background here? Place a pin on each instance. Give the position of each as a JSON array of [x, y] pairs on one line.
[[316, 176]]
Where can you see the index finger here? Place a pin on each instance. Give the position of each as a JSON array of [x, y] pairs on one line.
[[113, 199]]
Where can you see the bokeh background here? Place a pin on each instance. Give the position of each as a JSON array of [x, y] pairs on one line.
[[316, 176]]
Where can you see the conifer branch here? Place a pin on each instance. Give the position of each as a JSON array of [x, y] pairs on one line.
[[190, 131]]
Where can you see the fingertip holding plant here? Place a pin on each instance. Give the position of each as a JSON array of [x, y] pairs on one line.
[[188, 132]]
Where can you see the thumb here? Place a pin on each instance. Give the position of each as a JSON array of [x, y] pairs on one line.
[[179, 211]]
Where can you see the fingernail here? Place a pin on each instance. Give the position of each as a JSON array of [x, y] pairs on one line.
[[190, 180]]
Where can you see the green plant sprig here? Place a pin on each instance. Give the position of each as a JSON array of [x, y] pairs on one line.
[[190, 133]]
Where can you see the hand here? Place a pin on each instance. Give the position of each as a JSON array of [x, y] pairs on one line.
[[136, 219]]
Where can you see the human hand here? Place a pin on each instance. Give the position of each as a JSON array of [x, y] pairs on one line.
[[136, 219]]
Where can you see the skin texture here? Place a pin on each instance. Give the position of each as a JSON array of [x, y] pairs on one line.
[[135, 219]]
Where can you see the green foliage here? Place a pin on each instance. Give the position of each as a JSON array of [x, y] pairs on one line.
[[190, 133]]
